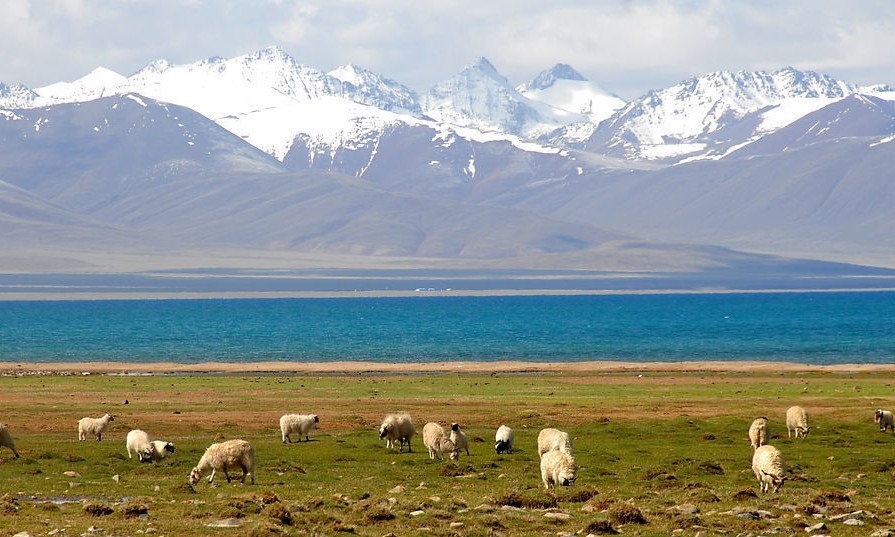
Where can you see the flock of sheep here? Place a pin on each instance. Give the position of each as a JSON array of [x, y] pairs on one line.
[[557, 462]]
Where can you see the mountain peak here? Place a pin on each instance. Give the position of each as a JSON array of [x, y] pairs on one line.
[[560, 71]]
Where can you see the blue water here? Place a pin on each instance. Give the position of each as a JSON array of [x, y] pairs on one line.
[[815, 328]]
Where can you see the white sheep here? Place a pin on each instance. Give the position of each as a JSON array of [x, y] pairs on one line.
[[769, 467], [6, 439], [759, 432], [138, 441], [884, 419], [458, 437], [226, 456], [437, 443], [146, 450], [397, 428], [797, 421], [554, 439], [94, 426], [298, 424], [558, 467], [504, 439]]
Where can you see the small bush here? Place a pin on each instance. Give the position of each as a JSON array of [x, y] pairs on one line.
[[279, 512], [830, 496], [515, 499], [97, 509], [602, 527], [134, 510], [581, 495], [745, 494], [625, 513]]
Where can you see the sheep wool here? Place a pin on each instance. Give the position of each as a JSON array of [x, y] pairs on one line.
[[138, 442], [298, 424], [554, 439], [437, 443], [160, 450], [558, 468], [397, 428], [223, 457], [884, 419], [458, 437], [759, 433], [769, 468], [504, 439], [6, 439], [93, 427], [797, 422]]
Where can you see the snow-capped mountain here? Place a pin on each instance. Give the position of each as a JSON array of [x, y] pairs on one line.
[[479, 97], [366, 87], [683, 120], [564, 88], [16, 96]]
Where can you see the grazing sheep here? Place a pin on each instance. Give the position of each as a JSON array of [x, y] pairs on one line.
[[225, 456], [160, 450], [94, 426], [554, 439], [299, 424], [759, 433], [884, 419], [458, 437], [797, 421], [558, 467], [397, 428], [6, 439], [769, 467], [437, 443], [504, 439], [138, 442]]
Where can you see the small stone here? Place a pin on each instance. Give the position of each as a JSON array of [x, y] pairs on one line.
[[397, 490], [820, 526], [882, 533], [510, 508], [853, 522], [686, 508], [225, 523], [558, 516], [764, 514], [116, 478], [435, 499], [456, 524], [417, 513], [71, 473], [22, 534]]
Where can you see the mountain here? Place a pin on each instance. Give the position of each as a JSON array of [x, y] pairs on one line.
[[16, 96], [564, 88], [691, 117], [366, 87]]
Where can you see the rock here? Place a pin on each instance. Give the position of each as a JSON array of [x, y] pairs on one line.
[[417, 513], [71, 473], [557, 516], [116, 478], [510, 508], [853, 522], [764, 514], [820, 526], [397, 490], [456, 524], [686, 508], [225, 523], [882, 533], [749, 515], [22, 534]]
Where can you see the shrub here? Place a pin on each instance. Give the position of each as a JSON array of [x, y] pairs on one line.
[[625, 513]]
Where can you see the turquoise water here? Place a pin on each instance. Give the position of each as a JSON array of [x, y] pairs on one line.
[[816, 328]]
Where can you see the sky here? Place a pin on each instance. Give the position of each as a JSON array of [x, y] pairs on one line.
[[626, 46]]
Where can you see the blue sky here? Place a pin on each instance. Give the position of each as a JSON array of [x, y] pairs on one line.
[[627, 47]]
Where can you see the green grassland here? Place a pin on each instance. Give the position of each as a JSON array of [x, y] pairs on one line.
[[659, 454]]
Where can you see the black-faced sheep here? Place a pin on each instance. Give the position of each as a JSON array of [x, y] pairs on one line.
[[797, 422], [94, 426], [554, 439], [298, 424], [458, 437], [769, 468], [759, 433], [884, 419], [558, 467], [504, 439], [6, 439], [397, 428], [146, 450], [226, 456], [438, 443]]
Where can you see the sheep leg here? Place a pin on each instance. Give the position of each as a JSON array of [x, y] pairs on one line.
[[227, 475], [211, 477]]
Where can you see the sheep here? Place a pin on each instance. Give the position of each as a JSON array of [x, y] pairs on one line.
[[437, 443], [884, 419], [558, 467], [138, 442], [397, 427], [554, 439], [226, 456], [93, 426], [6, 439], [797, 421], [300, 424], [769, 467], [160, 450], [759, 432], [458, 437], [503, 440]]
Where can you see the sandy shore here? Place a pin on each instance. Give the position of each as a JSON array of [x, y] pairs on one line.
[[15, 368]]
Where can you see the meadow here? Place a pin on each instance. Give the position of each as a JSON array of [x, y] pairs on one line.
[[659, 454]]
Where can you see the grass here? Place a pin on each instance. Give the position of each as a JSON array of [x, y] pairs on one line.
[[658, 453]]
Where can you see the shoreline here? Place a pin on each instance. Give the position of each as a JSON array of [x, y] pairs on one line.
[[36, 296], [352, 367]]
